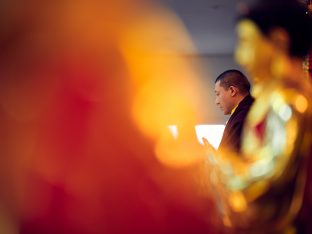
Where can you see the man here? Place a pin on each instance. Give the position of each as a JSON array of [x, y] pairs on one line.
[[232, 90]]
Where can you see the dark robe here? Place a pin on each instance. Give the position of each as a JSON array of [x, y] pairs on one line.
[[231, 138]]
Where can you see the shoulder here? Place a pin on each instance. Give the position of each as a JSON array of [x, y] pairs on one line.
[[246, 102], [243, 108]]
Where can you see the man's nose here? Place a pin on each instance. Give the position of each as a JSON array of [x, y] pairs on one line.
[[217, 102]]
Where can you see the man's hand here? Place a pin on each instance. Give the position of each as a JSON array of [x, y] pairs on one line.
[[210, 149]]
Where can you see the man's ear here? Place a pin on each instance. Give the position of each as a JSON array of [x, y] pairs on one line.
[[233, 91]]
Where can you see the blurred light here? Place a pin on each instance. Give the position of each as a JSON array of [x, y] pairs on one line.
[[174, 131], [277, 101], [238, 202], [212, 132], [301, 103], [285, 112], [261, 168], [236, 183], [226, 221], [256, 189], [72, 73]]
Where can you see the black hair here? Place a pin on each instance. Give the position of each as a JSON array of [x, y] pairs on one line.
[[234, 78], [289, 15]]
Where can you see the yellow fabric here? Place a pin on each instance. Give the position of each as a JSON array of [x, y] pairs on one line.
[[234, 109]]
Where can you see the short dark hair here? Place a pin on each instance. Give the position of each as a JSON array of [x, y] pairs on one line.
[[234, 78], [289, 15]]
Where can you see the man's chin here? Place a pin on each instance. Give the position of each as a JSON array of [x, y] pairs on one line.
[[224, 112]]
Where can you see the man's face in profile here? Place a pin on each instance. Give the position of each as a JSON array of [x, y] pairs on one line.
[[223, 98]]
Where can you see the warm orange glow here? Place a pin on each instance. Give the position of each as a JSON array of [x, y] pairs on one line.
[[301, 104], [238, 202], [87, 91], [166, 86]]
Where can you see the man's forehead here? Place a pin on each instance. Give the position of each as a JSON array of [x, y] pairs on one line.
[[217, 85]]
